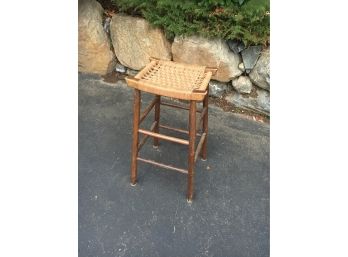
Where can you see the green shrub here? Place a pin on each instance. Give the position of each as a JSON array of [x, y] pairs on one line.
[[247, 20]]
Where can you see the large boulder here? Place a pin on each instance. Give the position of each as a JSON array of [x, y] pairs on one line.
[[95, 55], [134, 41], [207, 52], [260, 74]]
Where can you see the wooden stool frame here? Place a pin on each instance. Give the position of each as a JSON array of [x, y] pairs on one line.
[[179, 81], [193, 151]]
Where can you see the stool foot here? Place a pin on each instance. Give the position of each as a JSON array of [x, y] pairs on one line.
[[155, 146], [189, 201], [204, 159], [133, 185]]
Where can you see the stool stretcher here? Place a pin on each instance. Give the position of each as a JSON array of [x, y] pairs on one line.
[[162, 165]]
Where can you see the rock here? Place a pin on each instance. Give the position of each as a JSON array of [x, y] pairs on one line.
[[207, 52], [250, 56], [242, 84], [106, 25], [135, 41], [241, 67], [132, 72], [260, 75], [235, 45], [95, 55], [216, 88], [120, 68], [260, 103]]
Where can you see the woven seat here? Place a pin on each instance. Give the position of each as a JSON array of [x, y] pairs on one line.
[[177, 80]]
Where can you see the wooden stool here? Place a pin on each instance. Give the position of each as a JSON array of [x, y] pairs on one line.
[[179, 81]]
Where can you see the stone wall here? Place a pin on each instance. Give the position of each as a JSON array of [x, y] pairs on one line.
[[243, 77]]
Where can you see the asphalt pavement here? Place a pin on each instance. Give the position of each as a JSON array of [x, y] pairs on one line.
[[229, 215]]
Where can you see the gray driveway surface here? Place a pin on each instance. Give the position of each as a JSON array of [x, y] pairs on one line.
[[229, 215]]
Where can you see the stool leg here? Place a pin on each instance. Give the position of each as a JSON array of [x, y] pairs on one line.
[[205, 126], [136, 117], [157, 118], [191, 152]]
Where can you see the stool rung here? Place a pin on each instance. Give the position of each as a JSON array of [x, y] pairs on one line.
[[177, 129], [162, 165], [177, 106], [200, 144], [169, 138]]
